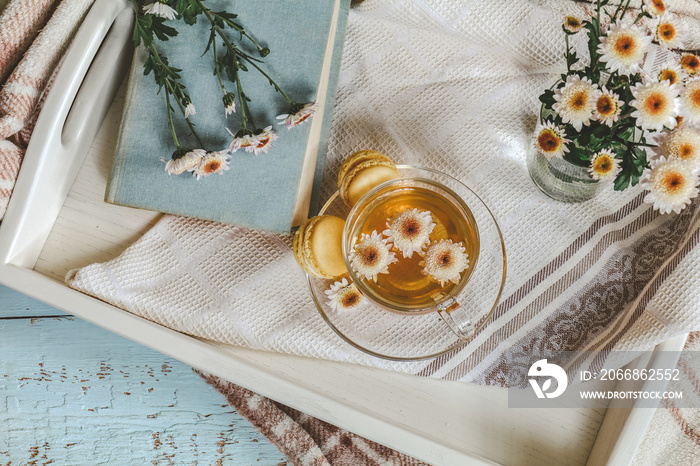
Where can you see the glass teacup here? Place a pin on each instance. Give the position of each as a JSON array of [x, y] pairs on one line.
[[443, 249]]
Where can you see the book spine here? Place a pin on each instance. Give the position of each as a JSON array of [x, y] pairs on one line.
[[114, 180]]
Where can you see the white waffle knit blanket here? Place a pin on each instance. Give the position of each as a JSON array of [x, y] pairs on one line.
[[452, 86]]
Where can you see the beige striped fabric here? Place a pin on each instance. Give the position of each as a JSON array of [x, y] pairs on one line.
[[38, 32], [673, 437]]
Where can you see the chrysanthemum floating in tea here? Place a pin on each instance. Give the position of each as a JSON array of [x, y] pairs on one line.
[[344, 296], [445, 261], [410, 231], [371, 256]]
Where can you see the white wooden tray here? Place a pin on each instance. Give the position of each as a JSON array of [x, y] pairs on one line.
[[57, 220]]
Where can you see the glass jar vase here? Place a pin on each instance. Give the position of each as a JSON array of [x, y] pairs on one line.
[[560, 179]]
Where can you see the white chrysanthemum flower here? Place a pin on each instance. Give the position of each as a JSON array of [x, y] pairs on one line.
[[604, 165], [298, 115], [229, 103], [371, 256], [550, 140], [242, 140], [607, 107], [690, 102], [184, 160], [574, 101], [690, 63], [572, 25], [666, 31], [656, 105], [160, 8], [672, 72], [623, 48], [682, 143], [344, 296], [672, 183], [410, 231], [265, 139], [214, 162], [445, 261], [654, 7]]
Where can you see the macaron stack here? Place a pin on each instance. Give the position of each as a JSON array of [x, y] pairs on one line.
[[361, 172], [318, 246], [318, 243]]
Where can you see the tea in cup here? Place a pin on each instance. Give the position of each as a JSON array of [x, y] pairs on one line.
[[410, 246]]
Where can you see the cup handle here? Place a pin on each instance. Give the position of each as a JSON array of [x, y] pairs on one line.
[[457, 319]]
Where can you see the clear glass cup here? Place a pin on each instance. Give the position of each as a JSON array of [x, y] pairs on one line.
[[439, 319], [406, 288]]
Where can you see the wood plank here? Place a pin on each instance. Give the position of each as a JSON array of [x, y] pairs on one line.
[[16, 305], [72, 393]]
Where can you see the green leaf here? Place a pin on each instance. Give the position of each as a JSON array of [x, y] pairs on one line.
[[161, 30], [210, 42], [547, 97], [142, 30], [622, 181], [593, 40]]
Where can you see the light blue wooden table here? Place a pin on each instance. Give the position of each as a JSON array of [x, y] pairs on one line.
[[72, 393]]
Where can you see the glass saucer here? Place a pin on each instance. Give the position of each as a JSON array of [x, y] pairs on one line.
[[401, 337]]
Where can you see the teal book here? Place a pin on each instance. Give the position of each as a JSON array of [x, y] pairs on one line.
[[271, 191]]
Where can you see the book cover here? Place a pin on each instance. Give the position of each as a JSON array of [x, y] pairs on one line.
[[271, 191]]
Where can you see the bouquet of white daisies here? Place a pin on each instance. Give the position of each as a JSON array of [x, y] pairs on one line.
[[605, 113]]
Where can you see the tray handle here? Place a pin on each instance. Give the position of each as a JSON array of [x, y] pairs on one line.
[[73, 112]]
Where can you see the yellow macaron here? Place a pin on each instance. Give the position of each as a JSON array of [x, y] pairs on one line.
[[318, 246], [363, 171]]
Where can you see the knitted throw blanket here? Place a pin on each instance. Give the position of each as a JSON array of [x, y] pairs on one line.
[[37, 32]]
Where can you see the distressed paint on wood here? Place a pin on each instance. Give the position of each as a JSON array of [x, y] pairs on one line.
[[72, 393]]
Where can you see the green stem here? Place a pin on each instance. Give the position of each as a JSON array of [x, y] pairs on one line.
[[242, 31], [625, 9], [238, 53], [245, 111], [170, 120], [169, 90], [277, 88], [619, 7], [568, 67], [189, 123], [217, 70]]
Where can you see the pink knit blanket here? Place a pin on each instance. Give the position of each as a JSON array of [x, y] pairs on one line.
[[34, 35]]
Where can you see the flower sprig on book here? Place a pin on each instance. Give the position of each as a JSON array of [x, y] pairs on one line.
[[228, 61], [606, 111]]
